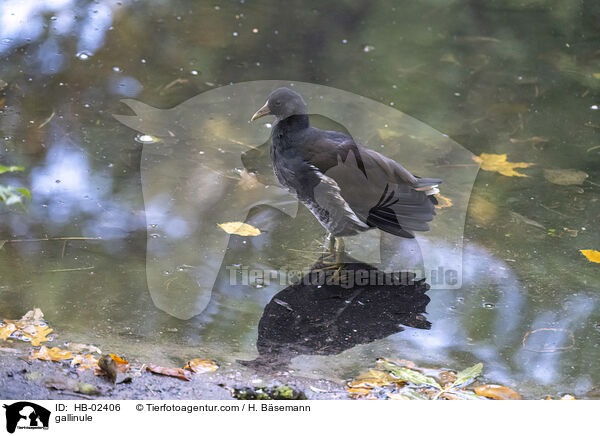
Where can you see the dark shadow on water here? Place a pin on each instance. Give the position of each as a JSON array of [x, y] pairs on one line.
[[310, 318]]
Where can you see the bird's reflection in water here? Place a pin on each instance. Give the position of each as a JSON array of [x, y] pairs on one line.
[[327, 312]]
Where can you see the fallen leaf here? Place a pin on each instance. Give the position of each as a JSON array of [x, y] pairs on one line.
[[548, 340], [200, 366], [596, 75], [592, 255], [37, 334], [81, 348], [7, 329], [85, 361], [443, 202], [54, 353], [499, 163], [468, 374], [122, 364], [179, 373], [565, 176], [411, 376], [359, 391], [397, 396], [497, 392], [371, 379], [239, 228]]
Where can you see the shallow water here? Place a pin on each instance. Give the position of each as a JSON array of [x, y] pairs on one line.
[[520, 78]]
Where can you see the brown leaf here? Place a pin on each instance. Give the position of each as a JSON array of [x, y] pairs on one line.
[[497, 392], [565, 177], [200, 366], [54, 353], [179, 373]]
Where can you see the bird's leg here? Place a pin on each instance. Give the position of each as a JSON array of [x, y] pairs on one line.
[[331, 243], [339, 253]]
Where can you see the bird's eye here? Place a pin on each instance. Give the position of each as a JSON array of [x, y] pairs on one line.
[[277, 103]]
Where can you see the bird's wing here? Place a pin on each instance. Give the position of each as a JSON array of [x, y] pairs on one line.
[[396, 173], [381, 192]]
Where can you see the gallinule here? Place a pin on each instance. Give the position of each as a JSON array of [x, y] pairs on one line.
[[348, 187]]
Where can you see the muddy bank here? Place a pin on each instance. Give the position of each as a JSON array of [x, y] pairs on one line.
[[38, 380]]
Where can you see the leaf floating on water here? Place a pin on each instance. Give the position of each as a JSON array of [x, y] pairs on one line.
[[468, 374], [548, 340], [592, 255], [54, 353], [200, 366], [179, 373], [239, 228], [500, 164], [11, 169], [497, 392], [443, 201], [565, 177]]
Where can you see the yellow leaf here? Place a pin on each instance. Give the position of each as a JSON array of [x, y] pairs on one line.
[[443, 201], [200, 366], [6, 330], [498, 163], [53, 353], [85, 361], [592, 255], [239, 228], [596, 75], [122, 364], [359, 391], [38, 335]]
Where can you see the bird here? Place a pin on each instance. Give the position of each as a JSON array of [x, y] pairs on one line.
[[348, 187]]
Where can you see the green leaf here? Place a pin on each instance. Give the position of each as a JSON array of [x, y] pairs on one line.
[[26, 192], [468, 374], [11, 195], [10, 169], [409, 375]]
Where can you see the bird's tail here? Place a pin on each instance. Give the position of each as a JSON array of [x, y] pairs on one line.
[[428, 186]]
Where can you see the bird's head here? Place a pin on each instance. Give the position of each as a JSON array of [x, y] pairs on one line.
[[282, 103]]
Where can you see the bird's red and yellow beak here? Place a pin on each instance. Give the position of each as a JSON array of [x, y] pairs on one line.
[[263, 111]]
